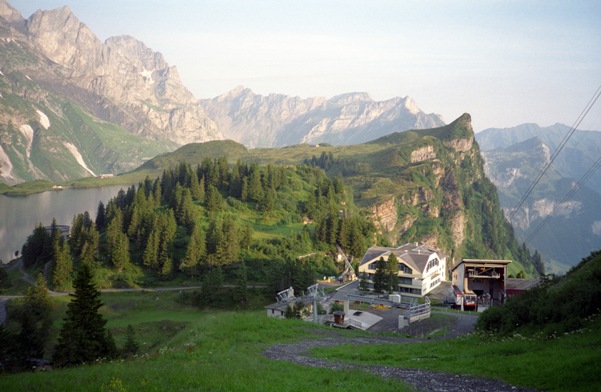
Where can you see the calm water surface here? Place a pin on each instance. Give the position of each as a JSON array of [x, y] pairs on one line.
[[20, 215]]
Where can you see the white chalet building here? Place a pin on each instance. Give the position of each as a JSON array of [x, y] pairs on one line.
[[421, 268]]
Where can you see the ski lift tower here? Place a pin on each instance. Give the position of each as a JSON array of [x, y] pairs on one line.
[[285, 296], [316, 294], [348, 268]]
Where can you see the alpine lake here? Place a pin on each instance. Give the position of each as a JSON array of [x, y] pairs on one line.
[[19, 215]]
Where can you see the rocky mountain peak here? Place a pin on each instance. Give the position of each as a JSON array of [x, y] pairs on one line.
[[465, 122], [63, 38], [136, 52], [8, 13], [411, 106], [344, 99]]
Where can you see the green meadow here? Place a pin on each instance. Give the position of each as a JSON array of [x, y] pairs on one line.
[[184, 348]]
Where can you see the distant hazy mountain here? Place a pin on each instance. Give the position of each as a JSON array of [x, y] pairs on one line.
[[514, 158], [278, 120], [71, 105]]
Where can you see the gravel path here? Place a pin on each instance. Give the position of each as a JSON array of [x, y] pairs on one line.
[[422, 380]]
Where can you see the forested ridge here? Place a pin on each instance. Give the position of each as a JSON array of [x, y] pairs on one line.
[[214, 220]]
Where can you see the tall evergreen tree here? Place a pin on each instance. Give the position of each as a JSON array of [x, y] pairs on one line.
[[380, 276], [194, 252], [35, 319], [83, 338], [101, 217], [392, 270], [131, 347], [63, 265], [117, 243], [37, 249], [213, 198], [363, 282]]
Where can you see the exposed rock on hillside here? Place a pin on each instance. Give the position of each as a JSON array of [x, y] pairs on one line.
[[521, 154], [384, 215], [72, 106], [125, 72]]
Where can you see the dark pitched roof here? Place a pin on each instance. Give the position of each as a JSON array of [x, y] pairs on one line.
[[414, 255]]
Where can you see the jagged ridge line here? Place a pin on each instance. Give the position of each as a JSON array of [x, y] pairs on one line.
[[557, 150], [575, 188]]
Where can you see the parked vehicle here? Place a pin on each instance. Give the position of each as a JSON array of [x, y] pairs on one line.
[[457, 298], [470, 301]]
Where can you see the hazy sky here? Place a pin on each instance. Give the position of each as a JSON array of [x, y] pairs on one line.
[[505, 62]]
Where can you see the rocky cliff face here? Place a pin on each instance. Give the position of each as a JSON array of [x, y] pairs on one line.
[[73, 106], [278, 120], [522, 154], [439, 192], [126, 73]]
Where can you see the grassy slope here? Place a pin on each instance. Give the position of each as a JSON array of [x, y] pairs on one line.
[[567, 363], [188, 349]]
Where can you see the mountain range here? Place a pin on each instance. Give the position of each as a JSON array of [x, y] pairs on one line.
[[278, 120], [515, 157], [73, 106]]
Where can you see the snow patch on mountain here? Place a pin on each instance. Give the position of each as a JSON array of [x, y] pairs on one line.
[[6, 167], [43, 119], [78, 157], [27, 131], [147, 75]]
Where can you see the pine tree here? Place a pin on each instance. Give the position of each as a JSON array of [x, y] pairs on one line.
[[363, 282], [195, 251], [214, 199], [380, 277], [36, 249], [63, 265], [83, 338], [228, 247], [150, 257], [392, 270], [117, 243], [101, 217], [35, 319], [131, 347]]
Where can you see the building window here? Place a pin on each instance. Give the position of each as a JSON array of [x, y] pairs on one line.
[[405, 269], [405, 280], [435, 282], [411, 291], [432, 263], [373, 266]]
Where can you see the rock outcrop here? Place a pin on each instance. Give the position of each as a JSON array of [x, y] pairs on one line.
[[74, 105], [123, 71]]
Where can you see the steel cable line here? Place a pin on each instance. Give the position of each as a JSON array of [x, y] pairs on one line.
[[560, 147], [575, 188]]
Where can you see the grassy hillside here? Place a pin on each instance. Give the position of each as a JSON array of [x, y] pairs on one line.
[[548, 338], [187, 349]]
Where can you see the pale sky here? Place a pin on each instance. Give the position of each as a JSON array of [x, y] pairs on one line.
[[504, 62]]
